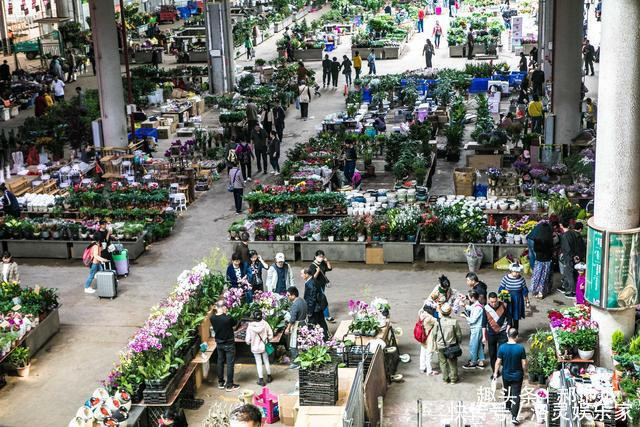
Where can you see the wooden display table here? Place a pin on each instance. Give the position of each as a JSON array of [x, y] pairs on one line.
[[342, 333]]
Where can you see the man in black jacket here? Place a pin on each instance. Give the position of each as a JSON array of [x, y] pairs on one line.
[[223, 327], [9, 202], [537, 79], [259, 140], [335, 71], [476, 285], [326, 71], [279, 114], [314, 297], [573, 250]]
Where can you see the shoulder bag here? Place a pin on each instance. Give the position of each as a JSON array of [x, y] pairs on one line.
[[451, 351], [268, 347]]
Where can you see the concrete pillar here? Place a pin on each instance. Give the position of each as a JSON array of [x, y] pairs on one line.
[[567, 69], [220, 47], [62, 9], [617, 192], [105, 45]]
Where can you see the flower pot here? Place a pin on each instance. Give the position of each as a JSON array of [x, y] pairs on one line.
[[542, 379], [533, 378], [345, 238], [330, 238], [588, 354], [361, 237], [292, 238], [23, 371]]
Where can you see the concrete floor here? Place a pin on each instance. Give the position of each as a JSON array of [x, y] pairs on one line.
[[72, 364]]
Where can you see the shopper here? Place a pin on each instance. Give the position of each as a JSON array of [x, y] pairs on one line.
[[251, 111], [10, 204], [580, 283], [346, 70], [495, 321], [223, 327], [273, 149], [71, 64], [95, 264], [371, 61], [588, 53], [318, 269], [48, 98], [474, 313], [279, 115], [302, 72], [242, 248], [573, 250], [474, 283], [297, 318], [155, 58], [305, 99], [259, 334], [92, 58], [335, 71], [470, 44], [441, 294], [237, 272], [244, 154], [267, 119], [591, 113], [535, 111], [514, 283], [542, 237], [420, 20], [5, 71], [437, 33], [259, 139], [279, 275], [316, 301], [522, 65], [428, 53], [236, 185], [40, 105], [513, 359], [326, 71], [537, 81], [533, 57], [256, 265], [245, 416], [350, 159], [428, 347], [57, 86], [357, 64], [447, 333], [248, 45], [452, 8], [81, 100]]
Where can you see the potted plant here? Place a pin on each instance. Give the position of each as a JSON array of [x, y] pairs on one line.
[[618, 342], [327, 230], [586, 340], [19, 359]]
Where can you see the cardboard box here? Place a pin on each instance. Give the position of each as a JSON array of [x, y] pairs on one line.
[[185, 133], [164, 132], [374, 255], [288, 408], [149, 124]]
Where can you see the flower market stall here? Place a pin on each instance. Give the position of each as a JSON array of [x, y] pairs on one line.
[[28, 319]]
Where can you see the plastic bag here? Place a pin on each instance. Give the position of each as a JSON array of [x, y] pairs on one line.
[[503, 263], [474, 257], [526, 267]]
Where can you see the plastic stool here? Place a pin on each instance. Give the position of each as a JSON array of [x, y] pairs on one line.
[[173, 188], [180, 201]]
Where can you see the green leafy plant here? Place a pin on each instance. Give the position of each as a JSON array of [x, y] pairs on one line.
[[586, 339], [618, 342], [19, 357], [315, 357]]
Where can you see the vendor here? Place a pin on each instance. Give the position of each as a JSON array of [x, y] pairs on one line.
[[9, 202], [350, 157], [441, 293], [379, 124]]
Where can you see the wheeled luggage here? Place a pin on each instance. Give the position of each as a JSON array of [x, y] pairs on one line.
[[107, 282], [121, 260]]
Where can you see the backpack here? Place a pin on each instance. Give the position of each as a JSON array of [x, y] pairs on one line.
[[231, 156], [245, 154], [418, 332], [87, 256]]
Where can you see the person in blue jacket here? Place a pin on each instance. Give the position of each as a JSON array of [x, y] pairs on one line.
[[239, 274]]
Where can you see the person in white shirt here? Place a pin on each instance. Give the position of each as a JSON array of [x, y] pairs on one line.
[[57, 86]]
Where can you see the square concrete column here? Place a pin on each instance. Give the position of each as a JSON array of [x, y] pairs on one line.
[[105, 46]]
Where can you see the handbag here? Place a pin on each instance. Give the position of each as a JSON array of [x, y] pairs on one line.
[[230, 186], [451, 351], [327, 282], [268, 347]]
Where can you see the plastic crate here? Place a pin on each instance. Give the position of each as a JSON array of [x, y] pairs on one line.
[[366, 95], [184, 12], [144, 132], [479, 85]]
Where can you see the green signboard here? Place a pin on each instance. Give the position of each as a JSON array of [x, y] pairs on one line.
[[595, 257], [613, 273]]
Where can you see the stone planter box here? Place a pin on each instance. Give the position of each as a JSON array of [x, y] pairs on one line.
[[339, 251], [58, 249], [269, 249], [398, 251], [198, 56], [305, 54], [380, 52], [456, 51], [514, 250], [454, 252], [39, 336], [134, 248]]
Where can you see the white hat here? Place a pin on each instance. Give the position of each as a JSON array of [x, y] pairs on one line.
[[515, 267], [581, 266], [279, 257]]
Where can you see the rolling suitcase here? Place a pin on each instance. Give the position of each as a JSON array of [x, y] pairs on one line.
[[107, 283], [121, 261]]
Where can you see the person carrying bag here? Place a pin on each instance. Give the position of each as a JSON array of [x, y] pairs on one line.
[[447, 338]]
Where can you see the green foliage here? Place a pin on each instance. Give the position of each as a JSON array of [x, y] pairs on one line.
[[313, 358], [618, 342], [634, 345], [484, 121], [19, 357], [586, 339]]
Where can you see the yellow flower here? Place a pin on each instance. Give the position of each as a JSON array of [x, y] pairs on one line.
[[550, 338]]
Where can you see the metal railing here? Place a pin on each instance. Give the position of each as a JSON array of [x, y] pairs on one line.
[[354, 411]]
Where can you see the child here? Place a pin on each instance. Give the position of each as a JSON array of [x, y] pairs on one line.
[[259, 333], [580, 282]]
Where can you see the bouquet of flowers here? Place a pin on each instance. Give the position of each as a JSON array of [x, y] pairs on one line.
[[504, 296], [381, 304]]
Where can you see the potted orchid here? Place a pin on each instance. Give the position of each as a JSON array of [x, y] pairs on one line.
[[364, 319]]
